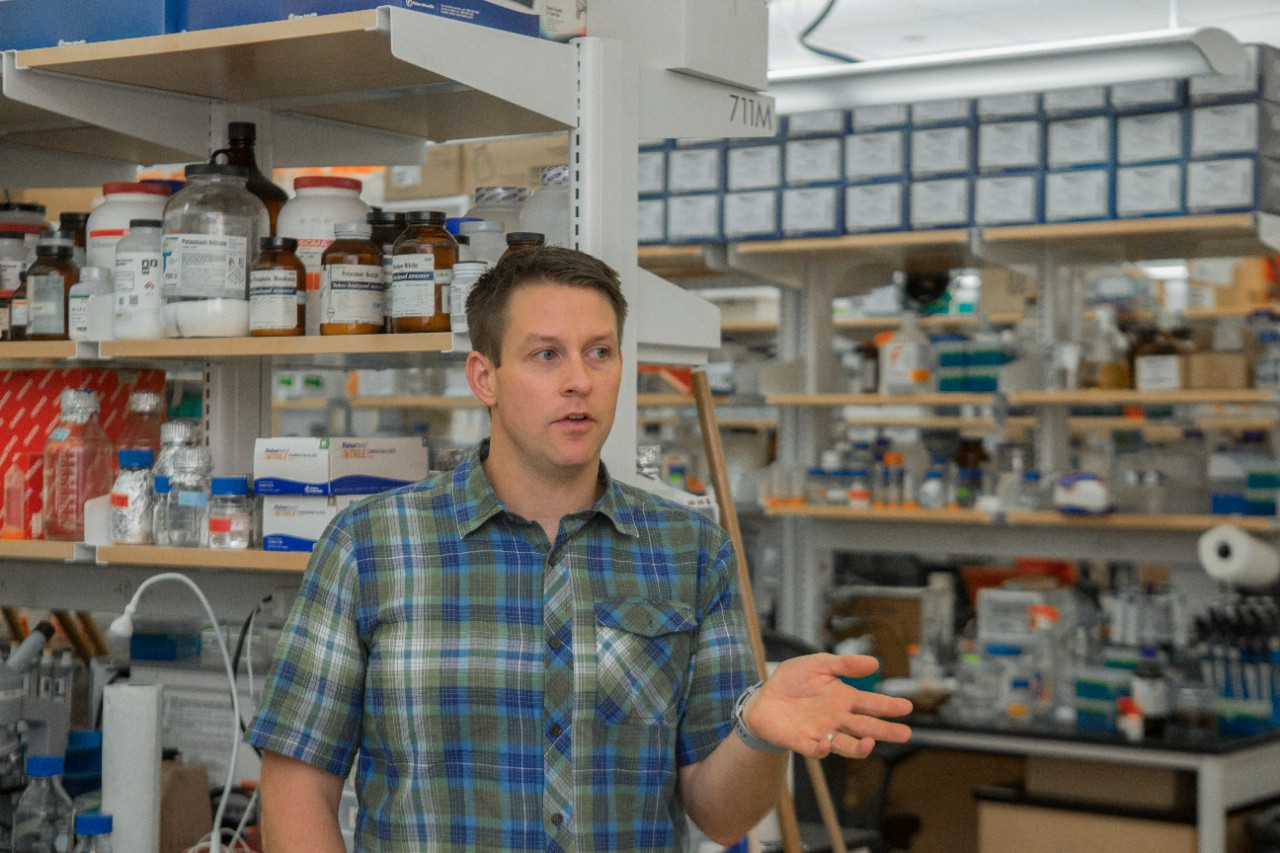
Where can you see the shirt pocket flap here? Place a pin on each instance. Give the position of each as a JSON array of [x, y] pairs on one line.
[[645, 617]]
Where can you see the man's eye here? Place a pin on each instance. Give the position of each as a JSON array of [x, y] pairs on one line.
[[545, 355]]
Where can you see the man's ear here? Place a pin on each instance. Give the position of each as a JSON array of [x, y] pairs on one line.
[[482, 377]]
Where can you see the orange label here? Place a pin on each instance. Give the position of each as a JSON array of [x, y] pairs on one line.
[[219, 525], [119, 500], [920, 375]]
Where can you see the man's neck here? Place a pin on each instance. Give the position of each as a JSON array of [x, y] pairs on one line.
[[539, 497]]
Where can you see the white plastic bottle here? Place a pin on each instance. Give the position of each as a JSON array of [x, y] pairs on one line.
[[906, 360], [487, 240], [547, 210], [501, 204], [91, 306], [320, 203], [138, 282], [109, 221]]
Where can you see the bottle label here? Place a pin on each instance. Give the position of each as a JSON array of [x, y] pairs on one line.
[[413, 285], [119, 500], [310, 251], [192, 499], [205, 266], [273, 299], [1158, 373], [47, 305], [350, 293], [11, 273], [137, 279], [78, 317], [19, 314], [219, 524], [59, 434], [4, 321]]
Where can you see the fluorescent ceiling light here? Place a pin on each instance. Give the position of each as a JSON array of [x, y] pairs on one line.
[[1010, 70]]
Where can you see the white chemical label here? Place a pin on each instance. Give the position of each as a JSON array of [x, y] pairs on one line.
[[19, 313], [47, 305], [310, 252], [137, 281], [204, 266], [273, 299], [11, 274], [413, 285], [350, 293], [78, 317], [1158, 373]]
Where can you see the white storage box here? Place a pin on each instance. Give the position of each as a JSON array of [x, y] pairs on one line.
[[946, 111], [651, 221], [366, 466], [942, 151], [291, 465], [652, 177], [693, 218], [1250, 128], [1080, 142], [1004, 107], [940, 204], [296, 522], [1010, 145], [814, 161], [1259, 78], [1233, 184], [817, 123], [1078, 101], [1151, 138], [879, 117], [1078, 194], [754, 167], [1148, 95], [692, 170], [1149, 190], [1007, 199], [868, 156], [811, 211], [875, 207], [751, 215]]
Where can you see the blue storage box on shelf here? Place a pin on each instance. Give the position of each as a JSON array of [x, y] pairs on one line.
[[1011, 199], [1010, 146], [816, 123], [754, 166], [694, 218], [1026, 105], [880, 117], [948, 111], [876, 206], [1075, 195], [945, 203], [813, 211], [1162, 137], [937, 151], [1233, 185], [1260, 78], [696, 168], [753, 215], [875, 156], [1148, 96], [651, 221], [496, 14], [1150, 190], [813, 160], [1077, 101], [29, 24], [1084, 141]]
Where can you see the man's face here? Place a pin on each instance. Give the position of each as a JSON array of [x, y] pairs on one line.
[[553, 399]]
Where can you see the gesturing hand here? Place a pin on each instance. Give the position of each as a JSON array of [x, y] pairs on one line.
[[805, 707]]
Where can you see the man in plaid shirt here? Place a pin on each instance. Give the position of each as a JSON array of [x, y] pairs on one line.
[[527, 654]]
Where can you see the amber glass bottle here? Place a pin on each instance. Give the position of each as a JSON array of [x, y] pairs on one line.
[[352, 289], [277, 290], [518, 241], [421, 272], [241, 136], [48, 285]]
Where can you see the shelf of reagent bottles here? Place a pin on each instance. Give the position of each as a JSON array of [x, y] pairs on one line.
[[932, 400], [1089, 397], [387, 69], [310, 350], [1110, 522], [250, 559]]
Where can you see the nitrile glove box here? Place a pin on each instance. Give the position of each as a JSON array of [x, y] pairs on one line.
[[1010, 146], [941, 204], [336, 466], [1233, 185], [812, 211], [1079, 194], [819, 160], [1151, 137], [942, 151], [875, 207], [1260, 77], [29, 24], [1150, 190], [291, 465], [754, 167], [694, 218], [871, 156], [296, 522], [752, 215], [1248, 128], [1088, 141], [497, 14], [1076, 101]]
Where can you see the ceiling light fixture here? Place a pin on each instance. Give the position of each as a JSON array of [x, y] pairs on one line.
[[1010, 70]]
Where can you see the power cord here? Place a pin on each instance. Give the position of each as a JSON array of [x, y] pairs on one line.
[[813, 25]]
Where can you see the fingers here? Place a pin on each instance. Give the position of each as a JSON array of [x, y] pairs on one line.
[[878, 704], [843, 744], [853, 666]]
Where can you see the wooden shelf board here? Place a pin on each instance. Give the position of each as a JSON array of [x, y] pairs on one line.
[[673, 262], [1006, 318], [675, 400], [37, 350], [925, 422], [306, 404], [259, 347], [748, 327], [36, 549], [1223, 235], [415, 401], [842, 513], [1122, 521], [251, 559], [879, 399], [957, 237], [1130, 397]]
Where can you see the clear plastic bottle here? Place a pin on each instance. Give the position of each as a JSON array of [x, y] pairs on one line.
[[49, 281], [1031, 492], [906, 360], [547, 209], [131, 498], [210, 237], [421, 272], [160, 509], [188, 503], [44, 818], [138, 282], [13, 265], [499, 204], [91, 306], [487, 242], [77, 466], [14, 525], [230, 513], [93, 833], [142, 422], [174, 435]]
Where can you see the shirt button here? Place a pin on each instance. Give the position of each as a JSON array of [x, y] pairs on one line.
[[557, 819], [555, 730], [554, 643]]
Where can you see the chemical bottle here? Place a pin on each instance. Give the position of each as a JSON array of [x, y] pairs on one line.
[[43, 819], [160, 509], [1266, 367], [49, 281], [421, 272], [277, 290], [1106, 358], [519, 241], [110, 221], [971, 459], [77, 466], [188, 503], [93, 833], [311, 217], [487, 243], [352, 291], [230, 513], [131, 497], [1157, 362], [175, 434], [241, 136], [74, 223], [906, 360], [499, 204], [1151, 693], [465, 275], [91, 306], [138, 282], [547, 209], [13, 268], [142, 422]]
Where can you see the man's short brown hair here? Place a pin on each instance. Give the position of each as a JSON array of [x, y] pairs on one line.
[[490, 296]]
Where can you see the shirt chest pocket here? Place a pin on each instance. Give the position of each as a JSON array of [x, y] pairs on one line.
[[642, 656]]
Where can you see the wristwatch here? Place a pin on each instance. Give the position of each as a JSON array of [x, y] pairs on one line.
[[740, 725]]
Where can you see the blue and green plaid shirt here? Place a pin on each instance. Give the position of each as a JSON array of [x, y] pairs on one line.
[[501, 692]]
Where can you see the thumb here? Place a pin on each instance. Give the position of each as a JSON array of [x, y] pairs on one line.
[[854, 666]]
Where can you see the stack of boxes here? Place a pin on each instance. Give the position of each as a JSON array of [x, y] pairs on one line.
[[1159, 148]]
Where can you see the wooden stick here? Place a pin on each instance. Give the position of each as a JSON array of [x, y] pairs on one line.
[[13, 618], [94, 634], [729, 520], [71, 628]]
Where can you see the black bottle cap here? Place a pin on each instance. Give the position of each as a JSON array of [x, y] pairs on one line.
[[384, 217], [427, 217], [72, 221], [525, 237], [277, 244], [242, 133]]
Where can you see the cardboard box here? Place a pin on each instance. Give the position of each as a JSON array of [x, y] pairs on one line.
[[875, 207], [366, 466], [1010, 145], [812, 211], [27, 24], [295, 465], [1080, 142], [458, 168], [751, 215], [185, 811], [941, 204], [892, 618], [1226, 370], [754, 167], [872, 156], [814, 161], [1079, 194], [942, 112], [879, 117], [1149, 190], [942, 151], [295, 522], [1004, 291], [1007, 199], [1151, 137], [1078, 101]]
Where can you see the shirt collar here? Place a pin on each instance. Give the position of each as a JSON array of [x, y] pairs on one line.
[[475, 501]]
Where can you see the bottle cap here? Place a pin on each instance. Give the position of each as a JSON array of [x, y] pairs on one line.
[[242, 132], [476, 226], [229, 486], [93, 823], [11, 235], [277, 244], [121, 187], [69, 221], [137, 457], [311, 182], [45, 765], [362, 230], [384, 217], [161, 482], [525, 237], [75, 398], [145, 223], [426, 217]]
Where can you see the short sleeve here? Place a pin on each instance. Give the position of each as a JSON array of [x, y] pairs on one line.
[[721, 667], [313, 703]]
